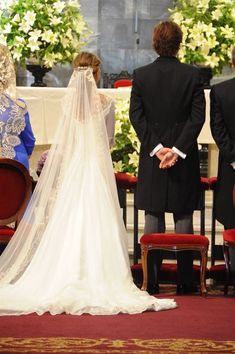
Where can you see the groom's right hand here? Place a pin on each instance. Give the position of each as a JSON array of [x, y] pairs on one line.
[[169, 160], [162, 152]]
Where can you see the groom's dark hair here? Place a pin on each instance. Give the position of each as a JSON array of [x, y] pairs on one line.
[[167, 37]]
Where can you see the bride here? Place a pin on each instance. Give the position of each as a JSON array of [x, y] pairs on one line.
[[69, 253]]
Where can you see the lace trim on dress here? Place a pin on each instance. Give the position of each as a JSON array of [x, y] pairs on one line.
[[11, 128], [106, 103], [7, 72]]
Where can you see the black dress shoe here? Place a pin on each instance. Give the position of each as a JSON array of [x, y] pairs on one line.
[[184, 289], [153, 289]]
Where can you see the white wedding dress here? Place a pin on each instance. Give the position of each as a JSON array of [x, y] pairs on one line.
[[69, 254]]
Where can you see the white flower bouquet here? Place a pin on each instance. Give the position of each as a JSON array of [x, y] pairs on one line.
[[125, 153], [208, 31], [44, 31]]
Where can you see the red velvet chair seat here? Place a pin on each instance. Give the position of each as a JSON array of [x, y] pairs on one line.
[[174, 239], [229, 243], [122, 83], [125, 181], [174, 242], [229, 236], [217, 272], [15, 192], [213, 181], [6, 234], [205, 183]]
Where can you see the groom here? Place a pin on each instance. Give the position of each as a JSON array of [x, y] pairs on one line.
[[167, 111]]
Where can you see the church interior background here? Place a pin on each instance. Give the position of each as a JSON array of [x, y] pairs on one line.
[[122, 39]]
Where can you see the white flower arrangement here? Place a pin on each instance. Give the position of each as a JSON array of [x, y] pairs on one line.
[[125, 153], [208, 31], [46, 31]]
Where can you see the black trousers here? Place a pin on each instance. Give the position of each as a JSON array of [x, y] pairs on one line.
[[155, 223]]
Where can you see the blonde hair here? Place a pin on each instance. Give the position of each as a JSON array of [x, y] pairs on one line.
[[7, 72], [88, 59]]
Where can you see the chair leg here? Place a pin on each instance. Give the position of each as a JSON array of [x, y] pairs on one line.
[[202, 227], [203, 272], [202, 215], [136, 245], [213, 224], [225, 289], [227, 265], [144, 258]]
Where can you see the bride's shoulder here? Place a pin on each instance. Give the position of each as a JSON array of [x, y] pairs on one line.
[[107, 103], [105, 99]]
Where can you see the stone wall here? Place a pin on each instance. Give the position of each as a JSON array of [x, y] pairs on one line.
[[122, 31]]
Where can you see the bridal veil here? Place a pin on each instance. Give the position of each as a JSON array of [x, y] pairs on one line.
[[69, 253]]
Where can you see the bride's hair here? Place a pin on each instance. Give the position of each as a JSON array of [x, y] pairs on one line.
[[88, 59]]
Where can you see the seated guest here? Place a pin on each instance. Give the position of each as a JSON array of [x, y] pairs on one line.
[[222, 98], [16, 136]]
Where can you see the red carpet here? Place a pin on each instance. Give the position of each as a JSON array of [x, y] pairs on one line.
[[198, 325]]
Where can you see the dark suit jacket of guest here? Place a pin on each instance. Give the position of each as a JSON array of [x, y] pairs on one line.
[[222, 99], [168, 107]]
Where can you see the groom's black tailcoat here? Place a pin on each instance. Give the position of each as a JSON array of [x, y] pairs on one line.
[[168, 107], [223, 130]]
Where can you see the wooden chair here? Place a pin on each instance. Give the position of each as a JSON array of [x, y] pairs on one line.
[[110, 79], [175, 243], [126, 182], [216, 250], [217, 271], [15, 192], [229, 243], [168, 272], [234, 195]]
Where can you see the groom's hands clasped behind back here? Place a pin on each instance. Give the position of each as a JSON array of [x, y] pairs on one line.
[[167, 157]]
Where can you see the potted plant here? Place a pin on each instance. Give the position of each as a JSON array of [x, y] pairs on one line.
[[43, 32], [208, 31]]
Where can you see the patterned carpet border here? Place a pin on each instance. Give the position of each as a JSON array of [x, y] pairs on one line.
[[105, 346]]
